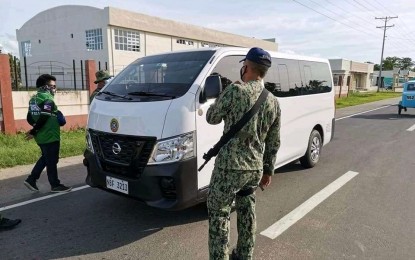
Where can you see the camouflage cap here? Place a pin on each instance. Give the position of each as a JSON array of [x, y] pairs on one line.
[[101, 75]]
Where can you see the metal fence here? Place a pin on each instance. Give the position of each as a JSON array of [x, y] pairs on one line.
[[68, 76]]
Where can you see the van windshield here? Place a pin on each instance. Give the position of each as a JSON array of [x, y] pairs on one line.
[[157, 77]]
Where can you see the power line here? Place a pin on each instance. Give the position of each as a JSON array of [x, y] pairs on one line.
[[408, 31], [365, 20], [367, 9], [353, 28], [392, 39]]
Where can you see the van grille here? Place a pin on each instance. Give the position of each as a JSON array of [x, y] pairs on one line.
[[122, 154]]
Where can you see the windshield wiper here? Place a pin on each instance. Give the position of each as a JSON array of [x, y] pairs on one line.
[[109, 93], [149, 94]]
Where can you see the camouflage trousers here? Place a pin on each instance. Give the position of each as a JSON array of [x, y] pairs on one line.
[[224, 185]]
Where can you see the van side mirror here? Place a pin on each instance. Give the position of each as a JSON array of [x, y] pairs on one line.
[[212, 88]]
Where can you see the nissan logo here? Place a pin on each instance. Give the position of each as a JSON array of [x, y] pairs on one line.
[[116, 148]]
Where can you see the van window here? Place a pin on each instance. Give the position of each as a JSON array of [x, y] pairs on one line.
[[272, 80], [297, 78], [160, 76], [285, 78], [317, 77], [228, 69]]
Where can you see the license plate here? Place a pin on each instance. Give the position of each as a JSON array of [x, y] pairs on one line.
[[410, 97], [117, 184]]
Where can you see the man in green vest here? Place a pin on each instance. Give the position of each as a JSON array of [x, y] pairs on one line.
[[101, 79], [46, 120]]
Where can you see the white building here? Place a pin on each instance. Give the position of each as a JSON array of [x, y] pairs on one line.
[[57, 40], [351, 75]]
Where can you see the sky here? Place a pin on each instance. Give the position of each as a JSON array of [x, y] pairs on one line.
[[322, 28]]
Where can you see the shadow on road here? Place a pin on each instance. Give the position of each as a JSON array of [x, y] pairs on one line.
[[85, 222], [291, 167]]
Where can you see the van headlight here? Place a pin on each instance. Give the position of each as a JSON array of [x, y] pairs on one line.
[[174, 149], [89, 145]]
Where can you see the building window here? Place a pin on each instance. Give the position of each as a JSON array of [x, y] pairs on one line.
[[26, 49], [126, 40], [94, 39], [186, 42], [206, 44]]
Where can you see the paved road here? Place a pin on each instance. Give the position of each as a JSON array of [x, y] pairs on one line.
[[369, 217]]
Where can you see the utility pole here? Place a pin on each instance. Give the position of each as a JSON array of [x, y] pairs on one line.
[[387, 18]]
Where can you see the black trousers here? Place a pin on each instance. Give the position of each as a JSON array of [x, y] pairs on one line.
[[49, 159]]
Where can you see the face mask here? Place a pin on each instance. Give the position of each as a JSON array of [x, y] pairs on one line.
[[242, 72], [50, 89]]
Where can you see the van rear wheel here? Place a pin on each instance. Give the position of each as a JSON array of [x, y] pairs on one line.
[[312, 155]]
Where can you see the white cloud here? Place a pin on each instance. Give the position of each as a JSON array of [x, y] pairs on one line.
[[9, 44]]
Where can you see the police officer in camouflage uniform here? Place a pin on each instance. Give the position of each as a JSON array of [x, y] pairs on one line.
[[46, 120], [101, 79], [246, 161]]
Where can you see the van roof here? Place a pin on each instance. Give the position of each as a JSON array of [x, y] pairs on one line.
[[243, 51]]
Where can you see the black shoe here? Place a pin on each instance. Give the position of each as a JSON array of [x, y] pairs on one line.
[[61, 188], [6, 223], [31, 185]]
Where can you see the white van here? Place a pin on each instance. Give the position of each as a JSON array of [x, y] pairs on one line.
[[147, 129]]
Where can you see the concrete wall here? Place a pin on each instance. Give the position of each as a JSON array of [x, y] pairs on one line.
[[344, 91], [73, 104], [339, 64], [14, 104]]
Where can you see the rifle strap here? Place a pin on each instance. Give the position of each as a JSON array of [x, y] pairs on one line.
[[242, 122]]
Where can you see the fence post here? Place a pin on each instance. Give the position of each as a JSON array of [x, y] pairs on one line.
[[8, 125], [25, 72], [90, 69], [74, 73], [16, 77], [82, 75]]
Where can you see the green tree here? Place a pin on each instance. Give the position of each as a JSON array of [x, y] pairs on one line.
[[406, 63], [395, 62], [391, 62]]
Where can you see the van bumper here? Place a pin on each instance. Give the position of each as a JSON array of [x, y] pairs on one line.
[[170, 186]]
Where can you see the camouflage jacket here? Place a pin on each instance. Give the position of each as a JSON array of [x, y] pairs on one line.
[[94, 93], [256, 145]]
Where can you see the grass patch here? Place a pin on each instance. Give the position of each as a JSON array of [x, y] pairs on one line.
[[364, 97], [15, 150]]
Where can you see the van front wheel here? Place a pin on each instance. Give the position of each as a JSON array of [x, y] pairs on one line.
[[312, 155]]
